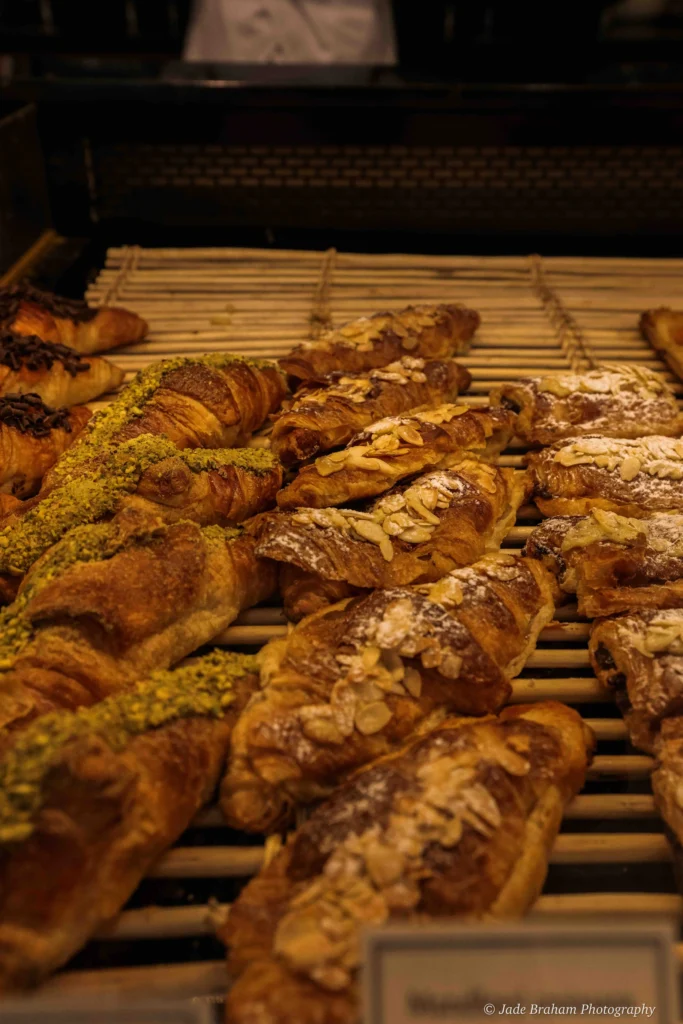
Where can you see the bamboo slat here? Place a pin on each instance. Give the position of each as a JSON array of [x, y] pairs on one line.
[[262, 302]]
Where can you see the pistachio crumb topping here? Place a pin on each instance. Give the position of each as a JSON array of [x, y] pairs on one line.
[[130, 403], [89, 543], [204, 688], [96, 495]]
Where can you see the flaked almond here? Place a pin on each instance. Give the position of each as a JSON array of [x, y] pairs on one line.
[[410, 435], [369, 531], [452, 834], [386, 549], [630, 467], [417, 534], [370, 657], [384, 865], [372, 718], [322, 730]]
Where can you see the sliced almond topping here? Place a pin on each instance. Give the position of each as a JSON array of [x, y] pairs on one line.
[[417, 534], [373, 717], [412, 680]]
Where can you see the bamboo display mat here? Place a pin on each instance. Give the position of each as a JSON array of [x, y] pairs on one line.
[[537, 315]]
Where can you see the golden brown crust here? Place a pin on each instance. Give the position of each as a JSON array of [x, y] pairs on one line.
[[615, 400], [663, 328], [430, 332], [414, 534], [25, 458], [639, 656], [613, 563], [396, 447], [304, 593], [630, 477], [336, 692], [105, 819], [57, 386], [99, 626], [109, 327], [323, 417], [458, 823]]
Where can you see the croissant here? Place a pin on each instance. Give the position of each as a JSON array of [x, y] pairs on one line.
[[27, 310], [149, 473], [416, 533], [430, 332], [113, 601], [663, 328], [397, 447], [631, 477], [460, 823], [351, 682], [55, 373], [104, 792], [613, 563], [212, 401], [319, 418], [32, 437], [614, 400], [639, 656]]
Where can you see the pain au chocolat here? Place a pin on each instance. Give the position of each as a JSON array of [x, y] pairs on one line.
[[613, 563], [615, 400], [633, 477]]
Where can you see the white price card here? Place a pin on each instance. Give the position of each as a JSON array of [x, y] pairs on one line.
[[620, 969], [36, 1010]]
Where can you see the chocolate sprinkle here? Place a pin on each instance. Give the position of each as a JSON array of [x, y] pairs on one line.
[[30, 352], [66, 309], [29, 415]]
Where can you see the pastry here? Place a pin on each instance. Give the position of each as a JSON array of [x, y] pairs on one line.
[[212, 401], [90, 799], [27, 310], [55, 373], [615, 400], [663, 328], [416, 533], [351, 682], [149, 473], [460, 823], [32, 437], [114, 601], [631, 477], [639, 656], [322, 417], [397, 447], [613, 563], [430, 332]]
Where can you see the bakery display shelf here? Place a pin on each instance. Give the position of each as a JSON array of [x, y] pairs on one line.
[[538, 315]]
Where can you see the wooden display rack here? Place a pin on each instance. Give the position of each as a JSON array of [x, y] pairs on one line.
[[538, 315]]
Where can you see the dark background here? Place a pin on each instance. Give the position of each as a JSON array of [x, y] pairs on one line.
[[506, 126]]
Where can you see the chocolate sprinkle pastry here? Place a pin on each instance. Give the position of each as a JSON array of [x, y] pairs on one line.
[[66, 309], [29, 415], [18, 350]]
